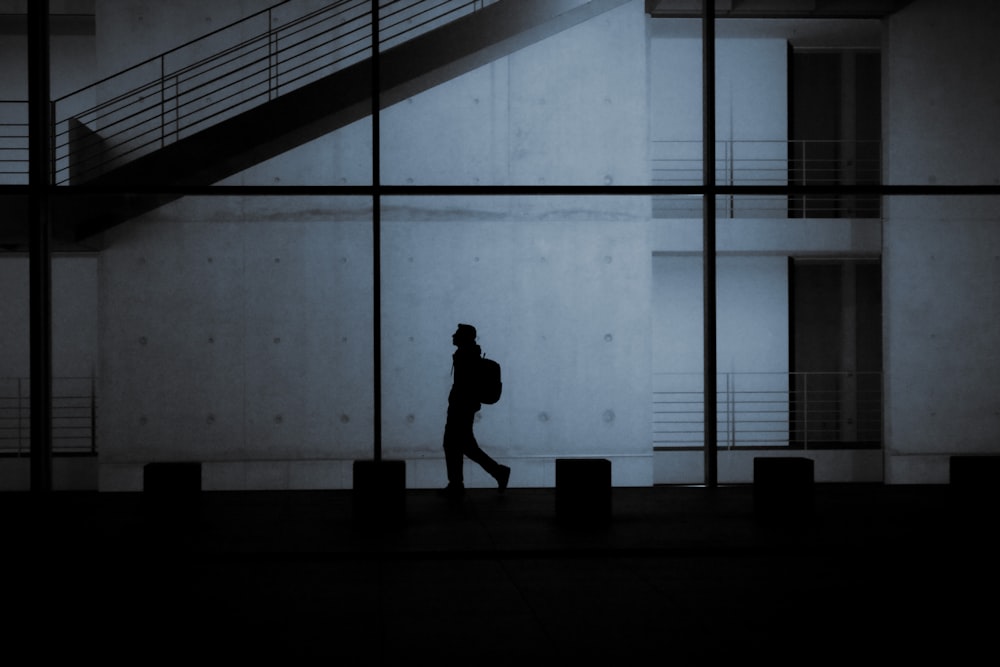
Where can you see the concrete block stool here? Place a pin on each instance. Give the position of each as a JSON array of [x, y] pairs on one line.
[[379, 495], [171, 492], [171, 477], [583, 490], [783, 485], [973, 480]]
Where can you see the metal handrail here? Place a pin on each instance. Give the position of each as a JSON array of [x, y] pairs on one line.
[[74, 415], [767, 162], [798, 409], [157, 102], [770, 161]]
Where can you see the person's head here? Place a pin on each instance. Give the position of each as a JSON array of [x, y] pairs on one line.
[[464, 335]]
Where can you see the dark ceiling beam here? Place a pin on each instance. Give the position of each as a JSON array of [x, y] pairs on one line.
[[59, 24], [777, 8]]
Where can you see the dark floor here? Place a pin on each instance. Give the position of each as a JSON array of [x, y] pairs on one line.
[[676, 575]]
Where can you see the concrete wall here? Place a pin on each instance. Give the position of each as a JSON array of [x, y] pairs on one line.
[[752, 296], [942, 255], [751, 85]]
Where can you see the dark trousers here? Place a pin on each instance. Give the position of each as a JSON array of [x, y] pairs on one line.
[[459, 441]]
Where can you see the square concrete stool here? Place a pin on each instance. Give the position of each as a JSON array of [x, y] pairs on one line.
[[379, 495], [583, 490], [171, 477], [171, 491], [783, 485], [973, 480]]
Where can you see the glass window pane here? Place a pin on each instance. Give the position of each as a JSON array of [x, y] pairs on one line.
[[562, 103], [238, 331], [559, 297]]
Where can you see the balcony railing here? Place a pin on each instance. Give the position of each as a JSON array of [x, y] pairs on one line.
[[797, 410], [74, 415], [13, 142], [776, 162]]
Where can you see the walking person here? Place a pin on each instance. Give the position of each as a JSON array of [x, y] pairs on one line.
[[463, 404]]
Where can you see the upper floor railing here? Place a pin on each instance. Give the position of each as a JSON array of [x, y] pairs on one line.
[[13, 142], [803, 410], [776, 162], [74, 415]]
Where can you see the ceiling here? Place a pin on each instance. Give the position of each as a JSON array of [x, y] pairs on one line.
[[777, 8]]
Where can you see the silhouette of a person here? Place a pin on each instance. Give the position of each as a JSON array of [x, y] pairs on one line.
[[463, 404]]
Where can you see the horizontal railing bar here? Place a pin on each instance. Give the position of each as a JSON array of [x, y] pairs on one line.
[[842, 408], [72, 415]]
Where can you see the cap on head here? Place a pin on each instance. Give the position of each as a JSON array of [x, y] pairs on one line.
[[465, 333]]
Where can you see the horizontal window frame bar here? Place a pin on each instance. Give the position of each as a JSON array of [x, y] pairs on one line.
[[509, 190]]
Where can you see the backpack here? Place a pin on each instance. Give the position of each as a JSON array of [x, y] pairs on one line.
[[488, 381]]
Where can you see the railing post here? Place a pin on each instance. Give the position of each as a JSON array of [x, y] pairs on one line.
[[731, 173], [805, 411], [805, 176], [93, 415], [20, 416], [272, 56], [731, 391], [163, 102]]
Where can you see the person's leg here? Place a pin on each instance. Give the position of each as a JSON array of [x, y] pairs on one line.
[[500, 473], [457, 432], [453, 452]]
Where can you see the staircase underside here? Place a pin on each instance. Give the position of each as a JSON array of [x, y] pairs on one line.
[[295, 118]]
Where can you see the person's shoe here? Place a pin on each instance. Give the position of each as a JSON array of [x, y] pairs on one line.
[[503, 478]]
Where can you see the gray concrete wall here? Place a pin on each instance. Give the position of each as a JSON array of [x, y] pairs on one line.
[[942, 255]]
